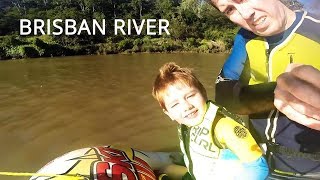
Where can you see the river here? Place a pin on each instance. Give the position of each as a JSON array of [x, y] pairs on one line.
[[49, 106]]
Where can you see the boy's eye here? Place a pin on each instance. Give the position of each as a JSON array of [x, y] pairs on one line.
[[191, 95], [174, 105]]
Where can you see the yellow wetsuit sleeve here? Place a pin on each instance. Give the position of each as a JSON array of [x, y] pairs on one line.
[[238, 139]]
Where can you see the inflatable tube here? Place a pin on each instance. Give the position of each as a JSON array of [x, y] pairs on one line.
[[105, 162]]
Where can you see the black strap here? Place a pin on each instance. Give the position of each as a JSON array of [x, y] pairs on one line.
[[184, 135], [225, 113], [231, 115], [277, 176], [273, 147]]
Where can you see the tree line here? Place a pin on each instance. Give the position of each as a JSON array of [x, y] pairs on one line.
[[194, 26]]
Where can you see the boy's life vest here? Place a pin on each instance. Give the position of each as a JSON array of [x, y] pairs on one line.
[[204, 155]]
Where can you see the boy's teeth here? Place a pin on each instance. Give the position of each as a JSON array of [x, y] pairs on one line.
[[191, 114]]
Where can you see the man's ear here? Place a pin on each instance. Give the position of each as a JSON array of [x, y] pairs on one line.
[[167, 113]]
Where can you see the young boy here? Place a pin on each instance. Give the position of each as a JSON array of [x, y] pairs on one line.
[[214, 144]]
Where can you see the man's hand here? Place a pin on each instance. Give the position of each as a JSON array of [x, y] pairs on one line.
[[297, 95]]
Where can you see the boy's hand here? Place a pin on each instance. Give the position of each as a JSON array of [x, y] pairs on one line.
[[297, 95], [173, 172], [163, 177], [177, 158]]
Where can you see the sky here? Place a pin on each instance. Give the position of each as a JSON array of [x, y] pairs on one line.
[[311, 5]]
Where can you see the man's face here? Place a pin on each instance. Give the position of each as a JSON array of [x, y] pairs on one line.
[[184, 104], [262, 17]]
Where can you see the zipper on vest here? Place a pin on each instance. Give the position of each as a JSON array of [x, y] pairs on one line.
[[291, 57], [267, 59]]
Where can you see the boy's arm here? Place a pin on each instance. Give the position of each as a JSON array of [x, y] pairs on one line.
[[238, 139]]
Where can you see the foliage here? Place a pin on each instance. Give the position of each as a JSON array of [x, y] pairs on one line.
[[293, 4], [10, 40], [194, 26], [23, 51], [125, 44], [3, 54]]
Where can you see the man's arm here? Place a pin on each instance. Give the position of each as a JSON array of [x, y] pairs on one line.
[[245, 99], [240, 98]]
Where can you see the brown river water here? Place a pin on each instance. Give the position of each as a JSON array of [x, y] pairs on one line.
[[51, 106]]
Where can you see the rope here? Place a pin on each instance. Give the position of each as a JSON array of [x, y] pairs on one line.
[[66, 177]]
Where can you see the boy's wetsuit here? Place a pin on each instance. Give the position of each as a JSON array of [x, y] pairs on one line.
[[219, 147], [255, 63]]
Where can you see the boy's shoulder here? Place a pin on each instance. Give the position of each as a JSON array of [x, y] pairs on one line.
[[223, 112]]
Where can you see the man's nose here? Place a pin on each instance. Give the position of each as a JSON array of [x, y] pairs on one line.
[[245, 10]]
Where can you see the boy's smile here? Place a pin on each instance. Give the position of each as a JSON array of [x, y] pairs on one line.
[[184, 104]]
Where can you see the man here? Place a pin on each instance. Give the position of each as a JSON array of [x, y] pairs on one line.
[[261, 72]]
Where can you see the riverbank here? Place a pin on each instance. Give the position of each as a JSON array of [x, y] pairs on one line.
[[18, 47]]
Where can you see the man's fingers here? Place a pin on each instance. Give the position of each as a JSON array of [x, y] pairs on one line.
[[306, 73], [296, 116], [297, 95], [302, 90], [291, 66], [296, 104]]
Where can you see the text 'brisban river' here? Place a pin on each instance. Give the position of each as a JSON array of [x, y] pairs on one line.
[[72, 27]]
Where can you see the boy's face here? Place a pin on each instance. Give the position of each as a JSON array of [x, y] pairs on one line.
[[184, 104], [262, 17]]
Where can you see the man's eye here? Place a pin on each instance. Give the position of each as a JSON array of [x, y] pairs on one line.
[[229, 11], [240, 1]]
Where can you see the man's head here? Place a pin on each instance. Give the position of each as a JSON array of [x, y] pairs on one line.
[[180, 94], [262, 17]]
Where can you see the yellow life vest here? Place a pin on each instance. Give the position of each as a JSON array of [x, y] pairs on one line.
[[295, 49]]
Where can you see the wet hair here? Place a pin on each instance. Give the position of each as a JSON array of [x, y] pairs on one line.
[[212, 4], [209, 2], [172, 74], [293, 5]]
